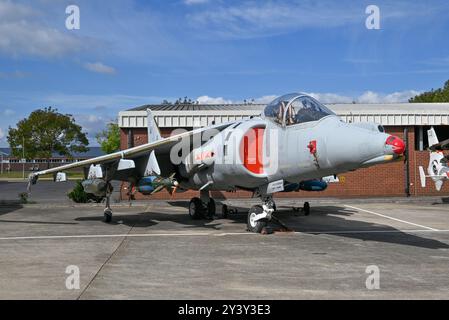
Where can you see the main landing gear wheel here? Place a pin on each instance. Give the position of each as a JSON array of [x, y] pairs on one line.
[[196, 209], [107, 215], [211, 208], [224, 211], [306, 208], [252, 224]]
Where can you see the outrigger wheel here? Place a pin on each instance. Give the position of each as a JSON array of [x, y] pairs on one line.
[[107, 215], [252, 224]]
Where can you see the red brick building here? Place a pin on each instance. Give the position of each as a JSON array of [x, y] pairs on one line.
[[9, 163], [382, 180]]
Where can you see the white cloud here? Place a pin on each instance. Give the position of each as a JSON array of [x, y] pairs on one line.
[[211, 100], [93, 124], [192, 2], [2, 134], [254, 19], [13, 75], [249, 19], [265, 99], [395, 97], [8, 112], [365, 97], [25, 31], [23, 38], [220, 100], [331, 98], [99, 67], [116, 102], [10, 11]]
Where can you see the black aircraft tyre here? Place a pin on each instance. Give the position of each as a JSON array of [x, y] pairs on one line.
[[252, 225], [225, 211], [211, 208], [107, 216], [306, 208], [195, 209]]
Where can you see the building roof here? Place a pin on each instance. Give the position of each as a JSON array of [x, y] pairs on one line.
[[371, 108], [197, 115], [198, 107]]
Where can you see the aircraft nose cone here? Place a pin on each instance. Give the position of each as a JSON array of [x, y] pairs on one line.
[[397, 144]]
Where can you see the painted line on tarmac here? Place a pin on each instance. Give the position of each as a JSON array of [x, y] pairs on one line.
[[391, 218], [374, 231], [143, 235], [136, 235]]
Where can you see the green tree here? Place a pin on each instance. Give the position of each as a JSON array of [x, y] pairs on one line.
[[109, 139], [44, 132], [438, 95]]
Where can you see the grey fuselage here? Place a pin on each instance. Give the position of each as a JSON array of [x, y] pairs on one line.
[[293, 153]]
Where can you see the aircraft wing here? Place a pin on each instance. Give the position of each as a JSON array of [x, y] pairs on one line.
[[161, 146], [443, 145]]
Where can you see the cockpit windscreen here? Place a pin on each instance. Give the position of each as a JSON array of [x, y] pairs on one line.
[[296, 108]]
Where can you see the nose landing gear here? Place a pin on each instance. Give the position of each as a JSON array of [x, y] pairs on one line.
[[260, 215], [255, 223]]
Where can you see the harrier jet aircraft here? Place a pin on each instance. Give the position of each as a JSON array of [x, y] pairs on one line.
[[293, 144], [438, 168]]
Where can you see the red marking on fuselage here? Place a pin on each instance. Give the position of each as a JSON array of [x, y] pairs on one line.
[[312, 146], [251, 150], [204, 155]]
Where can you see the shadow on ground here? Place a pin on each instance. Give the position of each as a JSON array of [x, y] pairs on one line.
[[8, 207], [331, 220], [152, 219]]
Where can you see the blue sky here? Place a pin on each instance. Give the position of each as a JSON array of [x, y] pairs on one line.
[[129, 53]]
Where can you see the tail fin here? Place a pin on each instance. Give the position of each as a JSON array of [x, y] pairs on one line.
[[153, 131], [432, 136]]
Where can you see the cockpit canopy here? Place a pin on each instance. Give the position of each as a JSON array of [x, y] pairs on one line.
[[295, 108]]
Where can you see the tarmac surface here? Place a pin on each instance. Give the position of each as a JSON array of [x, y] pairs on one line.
[[153, 250]]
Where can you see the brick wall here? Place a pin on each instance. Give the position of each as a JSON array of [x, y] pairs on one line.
[[381, 180], [139, 136]]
